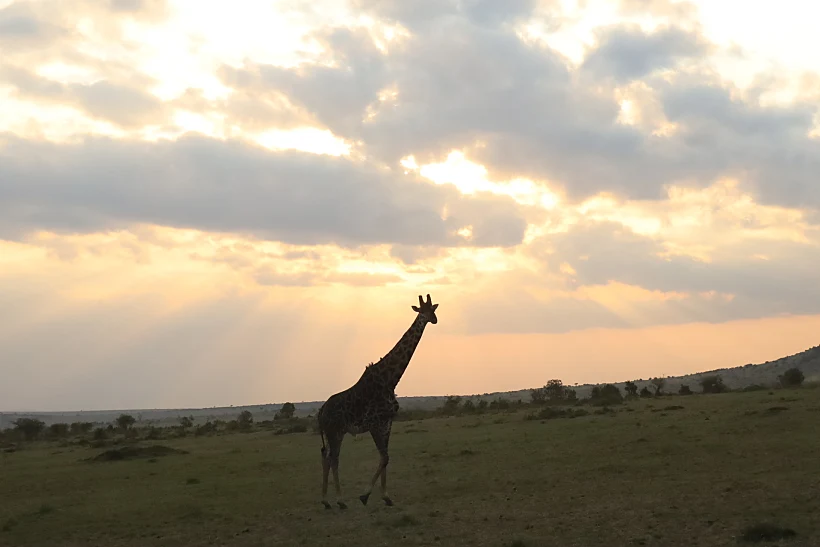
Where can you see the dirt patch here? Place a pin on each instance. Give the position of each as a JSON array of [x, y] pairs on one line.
[[135, 452]]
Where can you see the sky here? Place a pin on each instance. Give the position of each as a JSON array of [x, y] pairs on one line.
[[210, 203]]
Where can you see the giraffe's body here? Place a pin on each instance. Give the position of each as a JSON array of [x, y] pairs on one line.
[[369, 406]]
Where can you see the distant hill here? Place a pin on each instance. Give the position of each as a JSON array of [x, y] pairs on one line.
[[764, 374]]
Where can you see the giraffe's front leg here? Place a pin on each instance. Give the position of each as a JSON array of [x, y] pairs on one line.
[[381, 437]]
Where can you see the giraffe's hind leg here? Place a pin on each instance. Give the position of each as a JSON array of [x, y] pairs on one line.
[[381, 437], [325, 473], [333, 463]]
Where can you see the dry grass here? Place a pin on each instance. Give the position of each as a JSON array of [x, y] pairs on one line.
[[646, 474]]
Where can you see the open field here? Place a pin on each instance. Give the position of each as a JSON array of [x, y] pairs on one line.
[[647, 473]]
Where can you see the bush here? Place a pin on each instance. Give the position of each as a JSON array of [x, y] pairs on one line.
[[245, 419], [606, 395], [792, 378], [100, 434], [451, 406], [684, 390], [713, 384], [79, 428], [154, 433], [295, 428], [555, 391], [499, 404], [551, 413], [29, 428], [658, 383], [205, 429], [286, 412], [645, 392], [631, 389], [58, 430], [124, 421]]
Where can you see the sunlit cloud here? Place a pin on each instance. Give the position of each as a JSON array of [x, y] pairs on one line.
[[190, 184]]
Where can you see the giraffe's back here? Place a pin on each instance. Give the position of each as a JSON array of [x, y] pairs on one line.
[[358, 409]]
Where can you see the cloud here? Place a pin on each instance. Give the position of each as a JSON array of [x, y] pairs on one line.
[[759, 278], [418, 15], [625, 52], [122, 105], [20, 27], [252, 110], [459, 81], [101, 184], [676, 10]]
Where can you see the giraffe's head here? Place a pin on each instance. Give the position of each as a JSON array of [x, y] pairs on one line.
[[427, 310]]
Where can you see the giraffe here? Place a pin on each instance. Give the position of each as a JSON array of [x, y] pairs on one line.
[[370, 405]]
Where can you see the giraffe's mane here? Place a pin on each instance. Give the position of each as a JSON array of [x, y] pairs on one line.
[[372, 363]]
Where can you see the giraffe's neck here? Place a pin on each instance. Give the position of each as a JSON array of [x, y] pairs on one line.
[[395, 362]]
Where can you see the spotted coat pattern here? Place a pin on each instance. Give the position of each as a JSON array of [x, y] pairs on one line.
[[370, 405]]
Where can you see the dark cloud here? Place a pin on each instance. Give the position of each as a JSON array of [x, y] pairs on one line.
[[103, 100], [469, 82], [718, 134], [625, 52], [231, 186]]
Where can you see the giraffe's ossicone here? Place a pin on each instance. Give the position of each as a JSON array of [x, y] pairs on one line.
[[370, 405]]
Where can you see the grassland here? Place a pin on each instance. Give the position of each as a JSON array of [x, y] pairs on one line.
[[671, 471]]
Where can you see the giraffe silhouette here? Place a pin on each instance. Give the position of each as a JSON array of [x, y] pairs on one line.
[[370, 405]]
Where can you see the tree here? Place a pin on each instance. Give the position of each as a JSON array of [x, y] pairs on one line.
[[286, 412], [538, 396], [451, 405], [124, 421], [631, 389], [245, 419], [645, 392], [658, 383], [469, 406], [555, 390], [186, 422], [482, 406], [684, 390], [792, 378], [713, 384], [29, 427]]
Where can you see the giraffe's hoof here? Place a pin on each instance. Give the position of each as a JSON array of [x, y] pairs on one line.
[[387, 501], [326, 504], [342, 505], [364, 498]]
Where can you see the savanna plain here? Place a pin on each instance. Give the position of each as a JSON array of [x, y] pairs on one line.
[[696, 470]]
